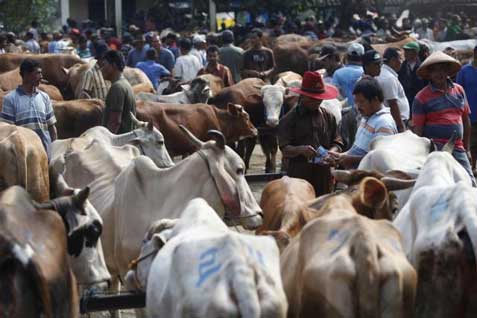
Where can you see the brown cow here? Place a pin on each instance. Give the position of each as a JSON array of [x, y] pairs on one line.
[[36, 278], [11, 80], [54, 66], [291, 53], [343, 264], [24, 161], [143, 88], [233, 122], [74, 117], [398, 45]]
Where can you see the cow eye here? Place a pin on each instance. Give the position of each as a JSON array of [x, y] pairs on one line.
[[161, 142], [240, 171]]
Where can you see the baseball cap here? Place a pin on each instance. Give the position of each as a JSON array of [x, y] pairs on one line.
[[228, 35], [391, 52], [356, 49], [327, 50], [371, 56], [412, 46]]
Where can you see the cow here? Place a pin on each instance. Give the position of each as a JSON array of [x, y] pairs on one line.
[[136, 76], [216, 84], [398, 44], [291, 53], [218, 273], [143, 88], [404, 152], [233, 122], [439, 229], [54, 67], [74, 117], [36, 239], [198, 91], [11, 80], [24, 161], [216, 168], [343, 264]]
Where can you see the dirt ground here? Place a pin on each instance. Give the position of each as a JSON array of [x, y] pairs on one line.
[[257, 166]]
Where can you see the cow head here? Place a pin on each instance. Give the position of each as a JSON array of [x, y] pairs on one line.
[[226, 171], [150, 142], [240, 124], [157, 235], [84, 227], [198, 91], [272, 96]]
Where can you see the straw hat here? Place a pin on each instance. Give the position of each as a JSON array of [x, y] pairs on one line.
[[314, 87], [438, 58]]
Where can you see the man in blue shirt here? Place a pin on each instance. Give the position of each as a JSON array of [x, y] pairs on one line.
[[138, 54], [164, 56], [152, 69], [467, 78]]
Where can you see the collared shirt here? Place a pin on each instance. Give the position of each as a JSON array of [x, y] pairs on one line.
[[381, 123], [186, 68], [135, 56], [232, 57], [93, 83], [166, 58], [302, 126], [200, 54], [30, 111], [392, 89], [221, 71], [345, 79], [467, 77], [153, 70], [440, 113]]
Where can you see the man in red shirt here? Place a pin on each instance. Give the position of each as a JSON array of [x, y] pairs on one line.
[[215, 68]]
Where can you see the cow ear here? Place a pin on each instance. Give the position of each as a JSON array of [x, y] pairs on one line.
[[233, 109], [80, 198], [373, 192], [281, 238]]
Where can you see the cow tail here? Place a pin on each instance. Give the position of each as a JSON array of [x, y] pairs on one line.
[[244, 289], [367, 276], [13, 252]]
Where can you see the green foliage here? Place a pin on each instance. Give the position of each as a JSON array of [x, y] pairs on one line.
[[17, 15]]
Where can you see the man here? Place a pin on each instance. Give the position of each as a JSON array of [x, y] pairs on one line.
[[29, 107], [164, 56], [171, 44], [199, 49], [138, 54], [407, 73], [346, 77], [441, 108], [376, 121], [308, 129], [215, 68], [372, 63], [329, 59], [152, 69], [467, 78], [187, 65], [93, 85], [259, 60], [31, 44], [120, 101], [231, 55], [394, 96]]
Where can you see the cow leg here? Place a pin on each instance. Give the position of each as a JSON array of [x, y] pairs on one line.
[[249, 145], [269, 144]]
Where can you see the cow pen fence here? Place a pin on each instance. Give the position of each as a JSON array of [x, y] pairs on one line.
[[93, 302]]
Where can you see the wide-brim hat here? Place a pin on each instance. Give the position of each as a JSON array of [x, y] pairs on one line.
[[438, 57], [313, 86]]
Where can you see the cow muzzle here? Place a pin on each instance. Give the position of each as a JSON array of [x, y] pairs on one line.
[[273, 122]]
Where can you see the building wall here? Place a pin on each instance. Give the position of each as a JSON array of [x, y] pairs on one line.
[[79, 9]]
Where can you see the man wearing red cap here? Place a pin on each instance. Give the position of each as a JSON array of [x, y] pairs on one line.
[[308, 132]]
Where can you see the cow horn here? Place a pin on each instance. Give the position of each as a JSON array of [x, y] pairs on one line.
[[393, 184], [449, 146], [80, 198], [218, 137], [343, 176], [137, 122], [193, 139]]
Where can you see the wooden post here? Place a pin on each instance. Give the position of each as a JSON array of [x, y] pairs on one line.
[[65, 10], [118, 16], [212, 16]]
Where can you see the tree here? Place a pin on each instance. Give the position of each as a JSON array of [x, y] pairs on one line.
[[17, 15]]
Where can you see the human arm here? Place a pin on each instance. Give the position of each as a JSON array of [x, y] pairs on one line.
[[294, 151], [396, 113], [114, 122], [286, 139], [53, 132], [345, 160], [418, 117], [467, 131], [114, 105], [8, 114]]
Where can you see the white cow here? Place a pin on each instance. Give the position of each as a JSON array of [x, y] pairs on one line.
[[405, 152], [198, 91], [460, 45], [206, 270], [144, 193], [439, 232]]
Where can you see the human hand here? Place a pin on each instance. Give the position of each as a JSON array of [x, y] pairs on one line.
[[307, 151]]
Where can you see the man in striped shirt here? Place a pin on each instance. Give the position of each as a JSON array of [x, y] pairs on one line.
[[93, 85], [441, 108], [29, 107]]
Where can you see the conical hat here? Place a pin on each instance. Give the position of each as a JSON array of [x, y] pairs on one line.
[[438, 58]]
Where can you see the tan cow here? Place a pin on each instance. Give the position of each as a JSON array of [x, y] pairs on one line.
[[343, 264], [74, 117], [216, 84], [24, 161], [398, 44]]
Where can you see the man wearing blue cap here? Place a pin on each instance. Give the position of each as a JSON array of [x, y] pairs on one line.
[[411, 83]]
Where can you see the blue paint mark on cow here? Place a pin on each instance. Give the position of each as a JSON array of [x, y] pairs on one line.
[[332, 234], [438, 209], [260, 257], [208, 265], [340, 245]]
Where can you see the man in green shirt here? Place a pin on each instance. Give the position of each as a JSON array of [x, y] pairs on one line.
[[120, 101]]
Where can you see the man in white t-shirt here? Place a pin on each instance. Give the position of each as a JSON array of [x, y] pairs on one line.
[[394, 95], [187, 65]]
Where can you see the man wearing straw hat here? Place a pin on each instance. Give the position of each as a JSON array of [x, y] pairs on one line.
[[441, 108], [308, 132]]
